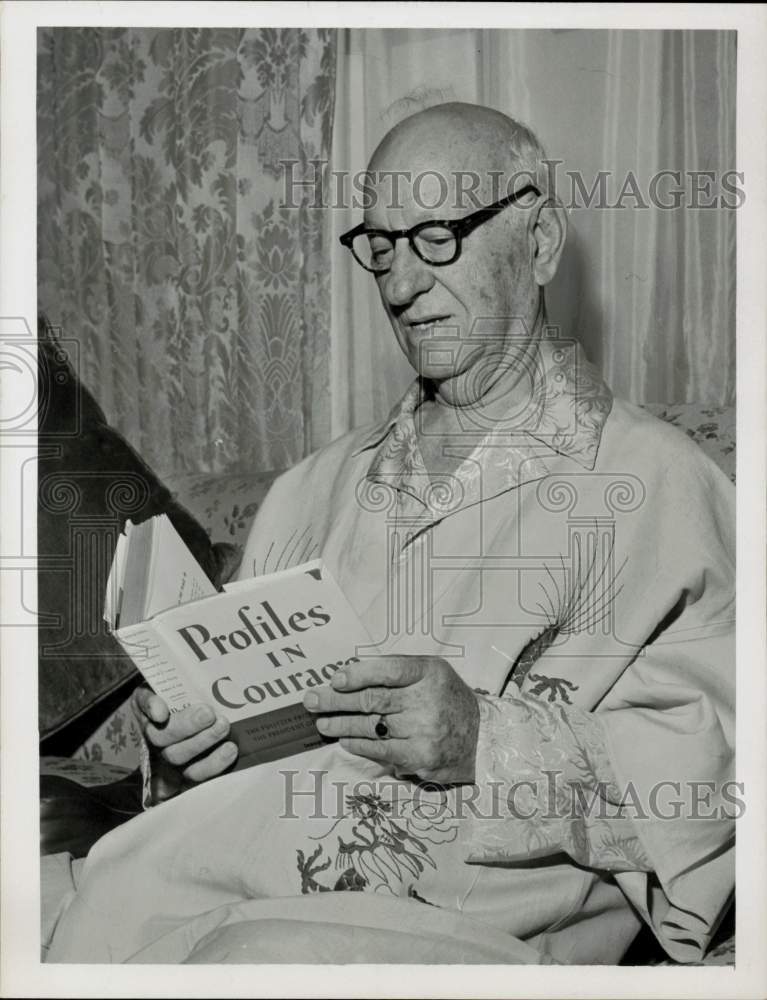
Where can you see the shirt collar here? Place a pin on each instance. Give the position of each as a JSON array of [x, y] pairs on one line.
[[404, 408], [564, 414]]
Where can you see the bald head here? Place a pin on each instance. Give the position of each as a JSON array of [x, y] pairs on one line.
[[447, 273], [469, 139]]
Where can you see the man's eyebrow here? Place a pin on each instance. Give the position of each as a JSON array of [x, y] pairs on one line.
[[441, 213], [446, 211]]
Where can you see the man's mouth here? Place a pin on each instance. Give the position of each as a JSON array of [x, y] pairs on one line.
[[426, 322]]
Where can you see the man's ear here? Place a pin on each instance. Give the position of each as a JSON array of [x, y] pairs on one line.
[[548, 235]]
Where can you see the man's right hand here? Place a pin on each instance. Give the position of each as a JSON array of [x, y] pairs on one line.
[[185, 748]]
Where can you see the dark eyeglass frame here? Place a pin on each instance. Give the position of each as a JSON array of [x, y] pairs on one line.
[[458, 227]]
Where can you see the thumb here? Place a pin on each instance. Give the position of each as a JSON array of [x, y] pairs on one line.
[[149, 707]]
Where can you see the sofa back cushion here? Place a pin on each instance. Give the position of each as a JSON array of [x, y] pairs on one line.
[[89, 482], [712, 427]]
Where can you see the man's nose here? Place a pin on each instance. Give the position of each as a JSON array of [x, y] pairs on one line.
[[407, 277]]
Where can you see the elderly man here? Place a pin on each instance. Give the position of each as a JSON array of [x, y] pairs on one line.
[[543, 721]]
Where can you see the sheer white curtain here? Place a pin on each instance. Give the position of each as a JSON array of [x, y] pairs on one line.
[[649, 292]]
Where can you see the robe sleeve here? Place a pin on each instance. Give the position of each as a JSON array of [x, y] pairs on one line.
[[546, 786], [645, 792], [643, 786], [155, 787]]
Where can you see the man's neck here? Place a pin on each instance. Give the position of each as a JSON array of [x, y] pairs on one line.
[[505, 390]]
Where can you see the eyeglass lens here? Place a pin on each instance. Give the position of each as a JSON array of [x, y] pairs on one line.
[[435, 244]]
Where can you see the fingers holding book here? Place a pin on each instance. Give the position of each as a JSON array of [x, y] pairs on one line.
[[185, 747], [412, 712]]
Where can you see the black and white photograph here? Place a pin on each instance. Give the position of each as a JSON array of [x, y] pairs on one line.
[[371, 454]]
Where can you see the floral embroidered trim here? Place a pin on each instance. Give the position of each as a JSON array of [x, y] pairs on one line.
[[380, 846], [568, 406], [546, 785]]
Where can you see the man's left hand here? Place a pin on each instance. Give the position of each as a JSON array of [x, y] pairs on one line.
[[431, 714]]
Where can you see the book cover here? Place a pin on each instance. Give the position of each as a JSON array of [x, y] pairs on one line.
[[250, 652]]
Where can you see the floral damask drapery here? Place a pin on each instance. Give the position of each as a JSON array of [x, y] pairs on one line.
[[210, 331], [200, 302]]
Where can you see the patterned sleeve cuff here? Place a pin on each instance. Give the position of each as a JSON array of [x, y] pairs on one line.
[[545, 785], [146, 775], [160, 783]]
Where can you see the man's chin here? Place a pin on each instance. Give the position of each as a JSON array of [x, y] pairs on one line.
[[434, 361], [449, 383], [433, 348], [436, 373]]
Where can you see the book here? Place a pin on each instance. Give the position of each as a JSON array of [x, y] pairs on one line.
[[250, 651]]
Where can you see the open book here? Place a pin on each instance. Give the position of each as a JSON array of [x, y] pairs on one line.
[[249, 652]]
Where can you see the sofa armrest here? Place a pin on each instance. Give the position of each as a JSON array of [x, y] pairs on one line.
[[73, 816]]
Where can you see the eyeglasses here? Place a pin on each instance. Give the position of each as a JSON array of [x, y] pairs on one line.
[[436, 242]]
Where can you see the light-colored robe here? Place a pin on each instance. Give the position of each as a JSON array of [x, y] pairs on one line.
[[583, 543]]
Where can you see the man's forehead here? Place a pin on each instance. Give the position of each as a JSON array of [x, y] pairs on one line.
[[424, 188], [434, 159], [445, 162]]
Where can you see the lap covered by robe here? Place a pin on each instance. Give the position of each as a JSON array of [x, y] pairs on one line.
[[322, 857]]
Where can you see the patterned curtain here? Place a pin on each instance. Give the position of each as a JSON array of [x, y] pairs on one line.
[[201, 305]]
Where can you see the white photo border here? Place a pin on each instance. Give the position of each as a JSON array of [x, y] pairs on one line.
[[21, 972]]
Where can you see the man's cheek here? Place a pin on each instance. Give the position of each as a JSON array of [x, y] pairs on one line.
[[521, 292], [474, 274], [488, 283]]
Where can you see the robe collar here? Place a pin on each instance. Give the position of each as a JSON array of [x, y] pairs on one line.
[[563, 415]]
